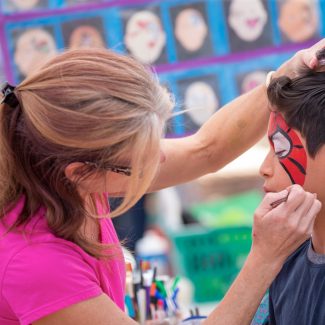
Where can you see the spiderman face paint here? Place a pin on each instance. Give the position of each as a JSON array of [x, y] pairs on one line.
[[288, 148]]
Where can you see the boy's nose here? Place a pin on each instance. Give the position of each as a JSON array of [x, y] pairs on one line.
[[266, 169]]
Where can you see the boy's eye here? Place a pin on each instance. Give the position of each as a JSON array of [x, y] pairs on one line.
[[281, 153], [281, 144]]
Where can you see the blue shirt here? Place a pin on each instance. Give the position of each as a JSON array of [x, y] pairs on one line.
[[297, 295]]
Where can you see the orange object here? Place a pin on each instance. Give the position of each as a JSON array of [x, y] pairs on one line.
[[153, 290]]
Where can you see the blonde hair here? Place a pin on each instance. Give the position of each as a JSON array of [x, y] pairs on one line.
[[84, 105]]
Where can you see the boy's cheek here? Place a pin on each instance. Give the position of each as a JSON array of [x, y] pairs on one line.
[[280, 180], [315, 176]]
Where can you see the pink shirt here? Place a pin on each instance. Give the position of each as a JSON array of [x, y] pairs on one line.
[[41, 273]]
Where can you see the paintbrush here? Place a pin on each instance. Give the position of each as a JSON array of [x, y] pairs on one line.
[[278, 202]]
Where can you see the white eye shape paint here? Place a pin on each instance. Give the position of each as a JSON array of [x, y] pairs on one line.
[[282, 144]]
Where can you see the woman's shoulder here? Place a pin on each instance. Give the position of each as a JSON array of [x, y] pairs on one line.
[[43, 277], [46, 261], [34, 241], [35, 244]]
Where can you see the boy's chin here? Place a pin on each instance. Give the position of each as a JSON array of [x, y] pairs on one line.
[[272, 189]]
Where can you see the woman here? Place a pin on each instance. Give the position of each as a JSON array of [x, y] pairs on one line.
[[88, 126]]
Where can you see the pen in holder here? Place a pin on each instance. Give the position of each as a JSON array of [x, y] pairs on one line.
[[152, 299], [193, 320]]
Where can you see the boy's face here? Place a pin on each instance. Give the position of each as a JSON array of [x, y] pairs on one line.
[[288, 161]]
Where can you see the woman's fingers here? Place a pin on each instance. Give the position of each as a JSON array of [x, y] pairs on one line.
[[278, 232], [310, 55], [301, 221], [297, 196], [309, 216], [303, 58], [302, 210], [266, 204]]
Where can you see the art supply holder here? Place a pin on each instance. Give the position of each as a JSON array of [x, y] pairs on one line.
[[211, 259]]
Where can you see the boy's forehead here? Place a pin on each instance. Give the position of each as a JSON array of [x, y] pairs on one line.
[[288, 148], [277, 121]]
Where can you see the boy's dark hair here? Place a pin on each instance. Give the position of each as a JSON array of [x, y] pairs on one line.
[[301, 101]]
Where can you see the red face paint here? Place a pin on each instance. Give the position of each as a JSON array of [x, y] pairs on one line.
[[288, 148]]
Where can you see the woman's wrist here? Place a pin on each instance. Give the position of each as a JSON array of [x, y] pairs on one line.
[[269, 78], [291, 67], [246, 292], [267, 266]]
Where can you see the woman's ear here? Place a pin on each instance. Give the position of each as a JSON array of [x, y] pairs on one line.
[[71, 171]]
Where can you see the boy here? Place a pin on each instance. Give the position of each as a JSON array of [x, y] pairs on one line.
[[297, 155]]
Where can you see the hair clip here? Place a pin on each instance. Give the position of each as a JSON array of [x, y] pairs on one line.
[[9, 97]]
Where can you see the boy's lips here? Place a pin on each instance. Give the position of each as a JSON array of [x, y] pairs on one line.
[[266, 189]]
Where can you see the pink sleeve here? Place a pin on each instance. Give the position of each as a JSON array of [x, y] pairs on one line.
[[44, 278]]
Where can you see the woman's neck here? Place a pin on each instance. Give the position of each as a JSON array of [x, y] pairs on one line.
[[91, 227]]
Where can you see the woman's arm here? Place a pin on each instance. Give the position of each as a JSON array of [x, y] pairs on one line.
[[228, 133], [97, 311]]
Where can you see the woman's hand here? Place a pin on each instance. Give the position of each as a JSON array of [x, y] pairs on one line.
[[302, 59], [278, 232]]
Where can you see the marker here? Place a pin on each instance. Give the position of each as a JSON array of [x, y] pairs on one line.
[[177, 279], [129, 281], [136, 277], [153, 298], [161, 288], [153, 312], [160, 311], [129, 306], [141, 297], [154, 274], [174, 298], [147, 281]]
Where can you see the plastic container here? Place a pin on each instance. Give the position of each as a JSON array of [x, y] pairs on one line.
[[154, 249], [232, 211], [211, 259]]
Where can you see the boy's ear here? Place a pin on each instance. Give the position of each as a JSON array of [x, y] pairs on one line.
[[71, 171]]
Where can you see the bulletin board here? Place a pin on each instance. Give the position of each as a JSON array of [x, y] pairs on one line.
[[206, 52]]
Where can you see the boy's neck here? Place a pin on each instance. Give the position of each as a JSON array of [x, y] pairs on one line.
[[318, 236]]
